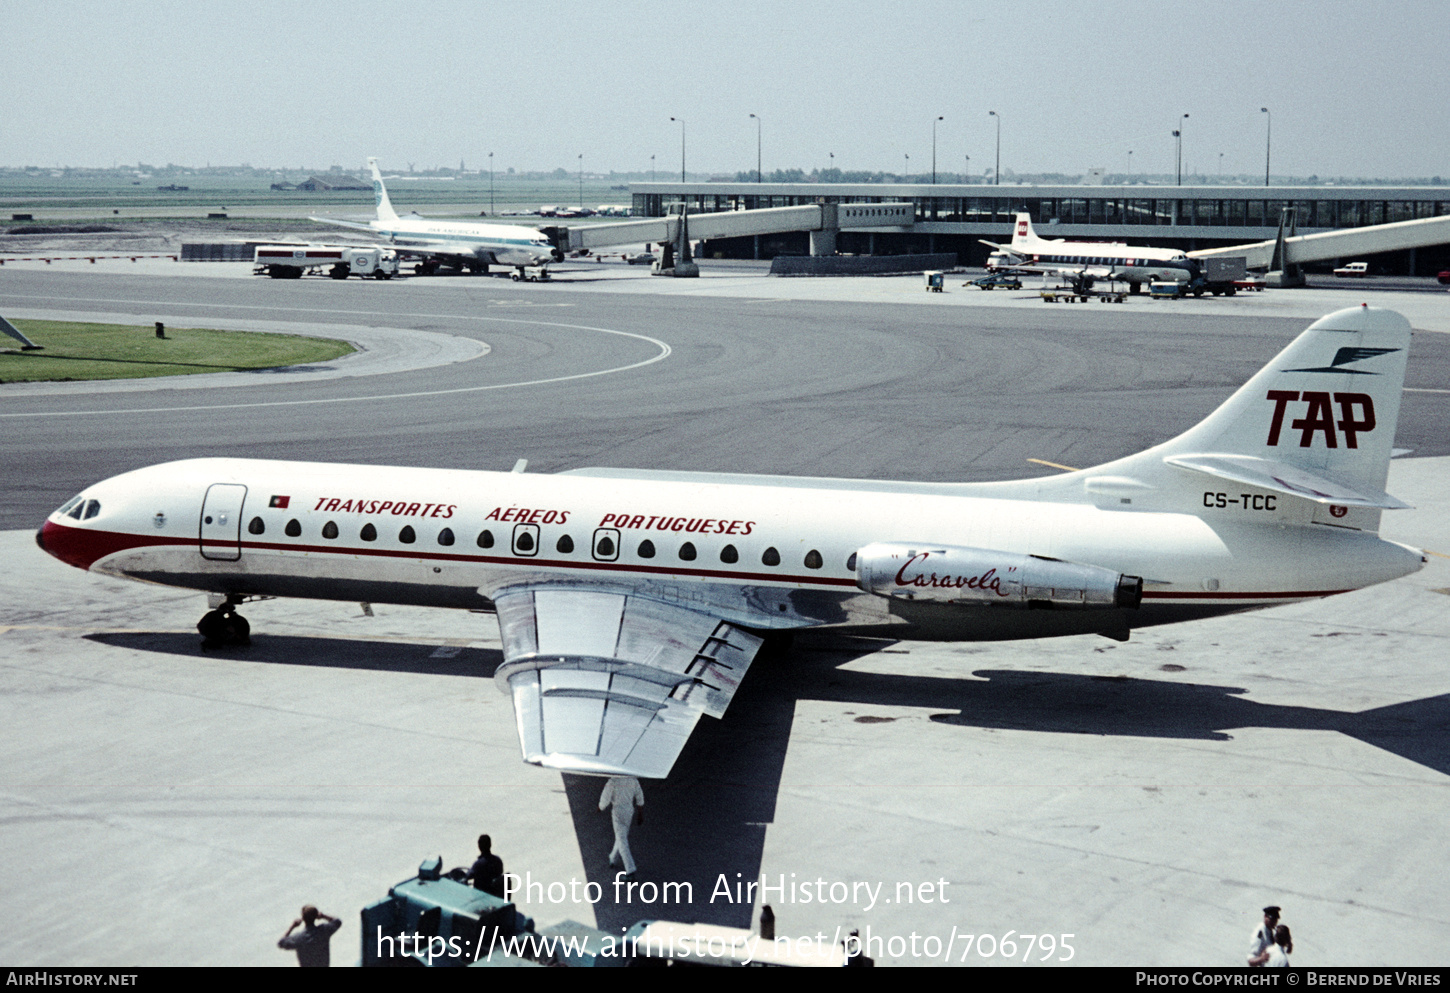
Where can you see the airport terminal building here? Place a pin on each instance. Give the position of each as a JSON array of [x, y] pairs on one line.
[[952, 218]]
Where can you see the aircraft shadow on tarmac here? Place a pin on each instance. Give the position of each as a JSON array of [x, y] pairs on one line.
[[332, 653], [708, 821]]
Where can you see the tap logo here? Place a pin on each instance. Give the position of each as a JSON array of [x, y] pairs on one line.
[[1347, 355], [1319, 416]]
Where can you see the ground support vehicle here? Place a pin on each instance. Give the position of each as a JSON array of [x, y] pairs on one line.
[[996, 281], [339, 262], [530, 274], [435, 919], [1353, 270], [1067, 294]]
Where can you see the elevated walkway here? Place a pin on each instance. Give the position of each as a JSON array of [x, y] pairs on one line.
[[1299, 249], [823, 221]]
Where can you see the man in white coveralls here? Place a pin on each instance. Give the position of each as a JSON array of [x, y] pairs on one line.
[[623, 793]]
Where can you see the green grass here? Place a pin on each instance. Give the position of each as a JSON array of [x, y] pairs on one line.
[[75, 351]]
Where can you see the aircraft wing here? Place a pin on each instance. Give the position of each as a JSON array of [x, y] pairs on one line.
[[355, 225], [612, 683]]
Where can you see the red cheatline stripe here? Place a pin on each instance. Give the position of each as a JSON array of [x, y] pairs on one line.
[[1225, 595]]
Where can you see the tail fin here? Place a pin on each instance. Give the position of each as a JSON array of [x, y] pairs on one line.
[[1318, 421], [385, 206], [1023, 233]]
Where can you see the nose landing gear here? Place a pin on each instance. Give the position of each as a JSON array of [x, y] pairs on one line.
[[223, 627]]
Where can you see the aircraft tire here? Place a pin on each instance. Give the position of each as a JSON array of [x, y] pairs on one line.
[[239, 631]]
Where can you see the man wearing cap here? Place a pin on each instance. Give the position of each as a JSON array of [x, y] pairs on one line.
[[1263, 938]]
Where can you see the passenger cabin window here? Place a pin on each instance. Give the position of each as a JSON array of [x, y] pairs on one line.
[[485, 539], [256, 526], [771, 557], [646, 549], [368, 533], [293, 528], [729, 554], [329, 530], [445, 537], [407, 536], [526, 539], [565, 545], [606, 544], [687, 552], [813, 559]]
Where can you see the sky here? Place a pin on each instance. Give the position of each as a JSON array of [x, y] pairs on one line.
[[1355, 89]]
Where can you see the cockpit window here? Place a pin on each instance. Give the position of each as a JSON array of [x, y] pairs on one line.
[[69, 506], [93, 507]]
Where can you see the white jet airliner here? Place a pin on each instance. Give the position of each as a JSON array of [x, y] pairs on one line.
[[631, 602], [465, 244], [1086, 261]]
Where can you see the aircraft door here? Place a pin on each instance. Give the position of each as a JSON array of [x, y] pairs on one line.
[[221, 522]]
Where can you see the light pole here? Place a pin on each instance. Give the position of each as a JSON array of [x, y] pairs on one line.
[[651, 168], [492, 211], [581, 182], [907, 177], [997, 172], [682, 146], [833, 163], [933, 149], [1130, 167], [1268, 135], [1178, 139], [967, 176], [1220, 166], [757, 147]]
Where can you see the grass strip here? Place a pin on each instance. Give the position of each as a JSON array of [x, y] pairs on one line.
[[75, 351]]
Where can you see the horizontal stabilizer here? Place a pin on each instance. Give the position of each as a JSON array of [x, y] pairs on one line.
[[1267, 474]]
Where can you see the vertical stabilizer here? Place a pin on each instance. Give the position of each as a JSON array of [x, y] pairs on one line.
[[1023, 233], [1327, 404], [380, 192]]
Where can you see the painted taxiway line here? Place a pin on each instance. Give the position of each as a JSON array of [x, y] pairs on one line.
[[663, 353]]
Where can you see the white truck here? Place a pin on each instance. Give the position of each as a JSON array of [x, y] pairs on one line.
[[339, 261], [1353, 269]]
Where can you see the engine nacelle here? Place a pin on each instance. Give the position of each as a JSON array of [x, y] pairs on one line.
[[946, 574]]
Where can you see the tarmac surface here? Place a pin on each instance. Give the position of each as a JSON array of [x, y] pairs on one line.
[[1147, 798]]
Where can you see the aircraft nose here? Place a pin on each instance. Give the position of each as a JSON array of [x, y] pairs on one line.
[[73, 546]]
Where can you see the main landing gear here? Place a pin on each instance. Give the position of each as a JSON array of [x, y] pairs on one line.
[[224, 627]]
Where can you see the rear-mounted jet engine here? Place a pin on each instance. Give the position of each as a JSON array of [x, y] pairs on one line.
[[945, 574]]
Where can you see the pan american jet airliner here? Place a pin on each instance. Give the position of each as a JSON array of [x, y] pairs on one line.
[[631, 602], [464, 244]]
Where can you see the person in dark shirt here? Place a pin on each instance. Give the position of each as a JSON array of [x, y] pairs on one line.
[[487, 870], [310, 943]]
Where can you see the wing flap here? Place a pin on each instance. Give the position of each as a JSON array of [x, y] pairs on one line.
[[612, 683]]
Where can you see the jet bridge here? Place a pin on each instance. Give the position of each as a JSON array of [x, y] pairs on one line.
[[823, 220], [1290, 250]]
